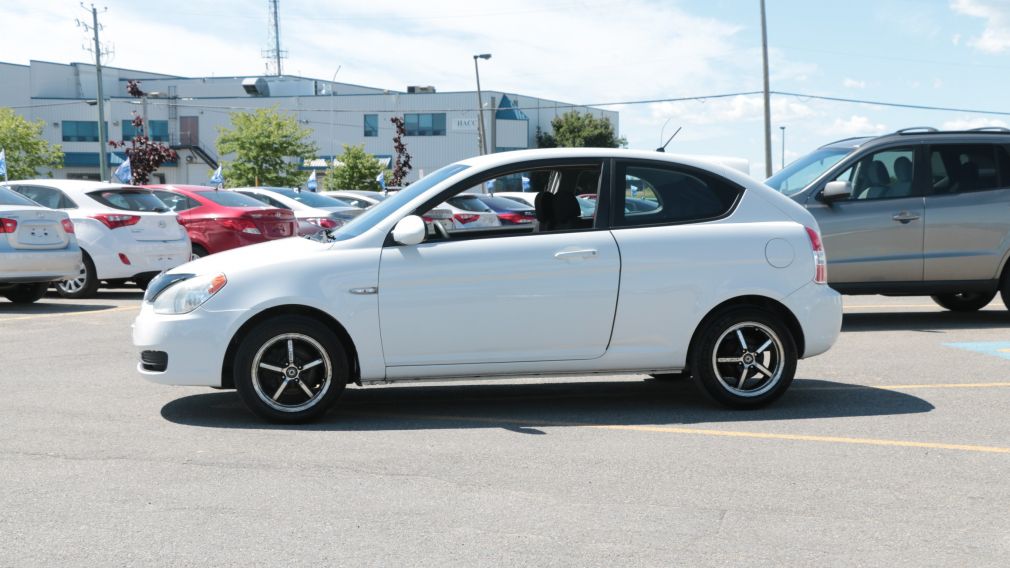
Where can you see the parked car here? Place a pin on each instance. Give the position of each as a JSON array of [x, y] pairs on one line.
[[37, 247], [125, 232], [509, 211], [357, 197], [469, 213], [222, 220], [587, 206], [315, 212], [916, 212], [726, 280]]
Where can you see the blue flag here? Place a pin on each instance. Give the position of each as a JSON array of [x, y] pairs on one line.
[[381, 179], [218, 177], [124, 173], [3, 164], [526, 183], [311, 184]]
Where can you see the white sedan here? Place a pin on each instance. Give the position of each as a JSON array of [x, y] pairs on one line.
[[37, 246], [724, 279], [125, 232]]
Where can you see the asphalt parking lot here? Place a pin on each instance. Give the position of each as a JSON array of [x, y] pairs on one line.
[[891, 449]]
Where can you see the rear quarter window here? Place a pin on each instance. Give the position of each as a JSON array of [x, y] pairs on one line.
[[657, 195]]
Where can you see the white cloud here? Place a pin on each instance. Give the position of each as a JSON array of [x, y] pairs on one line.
[[748, 108], [853, 84], [956, 39], [855, 125], [995, 36], [937, 83], [969, 123]]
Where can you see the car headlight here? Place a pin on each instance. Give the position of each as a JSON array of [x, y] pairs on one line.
[[187, 295]]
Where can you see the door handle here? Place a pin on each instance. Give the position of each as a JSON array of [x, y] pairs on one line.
[[904, 217], [573, 254]]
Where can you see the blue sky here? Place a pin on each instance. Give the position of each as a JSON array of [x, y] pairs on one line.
[[930, 52]]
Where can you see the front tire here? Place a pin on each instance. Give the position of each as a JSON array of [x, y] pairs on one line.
[[84, 286], [964, 301], [290, 369], [744, 358], [27, 293]]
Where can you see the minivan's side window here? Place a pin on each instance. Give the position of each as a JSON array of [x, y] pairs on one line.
[[652, 195], [963, 168], [886, 174], [46, 196]]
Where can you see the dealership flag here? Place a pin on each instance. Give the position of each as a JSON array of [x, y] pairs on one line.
[[218, 177], [311, 184], [3, 164], [124, 173], [381, 179]]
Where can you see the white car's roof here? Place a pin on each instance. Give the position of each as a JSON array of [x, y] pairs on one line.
[[75, 186]]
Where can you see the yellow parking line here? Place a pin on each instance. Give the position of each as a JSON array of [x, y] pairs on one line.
[[64, 315], [702, 432]]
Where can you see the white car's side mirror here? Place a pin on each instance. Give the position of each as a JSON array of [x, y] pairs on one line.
[[835, 190], [410, 231]]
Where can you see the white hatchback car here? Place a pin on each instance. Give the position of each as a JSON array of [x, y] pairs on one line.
[[314, 211], [37, 246], [125, 232], [725, 279]]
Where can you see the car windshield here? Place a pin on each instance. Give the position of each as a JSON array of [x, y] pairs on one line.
[[309, 198], [230, 198], [380, 211], [8, 197], [796, 176], [129, 199]]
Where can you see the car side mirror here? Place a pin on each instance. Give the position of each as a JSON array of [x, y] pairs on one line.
[[410, 231], [836, 190]]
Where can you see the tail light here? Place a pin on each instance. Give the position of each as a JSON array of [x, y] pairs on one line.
[[515, 218], [241, 225], [68, 226], [115, 220], [820, 261], [8, 225], [325, 222], [465, 218]]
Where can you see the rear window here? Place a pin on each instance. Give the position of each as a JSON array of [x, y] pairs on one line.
[[129, 199], [311, 199], [230, 199], [470, 203], [8, 197]]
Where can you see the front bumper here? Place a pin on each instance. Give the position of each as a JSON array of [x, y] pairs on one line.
[[195, 344], [818, 309]]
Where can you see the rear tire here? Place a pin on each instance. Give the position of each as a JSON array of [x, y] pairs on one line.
[[290, 369], [965, 301], [84, 286], [27, 293], [198, 252], [744, 357]]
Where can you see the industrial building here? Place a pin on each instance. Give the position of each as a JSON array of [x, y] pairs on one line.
[[188, 112]]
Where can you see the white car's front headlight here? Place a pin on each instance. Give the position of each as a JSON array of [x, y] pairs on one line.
[[188, 295]]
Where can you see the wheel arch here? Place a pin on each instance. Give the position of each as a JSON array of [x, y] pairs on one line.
[[753, 301], [227, 379]]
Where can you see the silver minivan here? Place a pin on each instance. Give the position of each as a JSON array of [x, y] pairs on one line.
[[916, 212]]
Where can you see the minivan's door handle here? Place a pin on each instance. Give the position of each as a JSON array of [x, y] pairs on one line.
[[574, 254], [904, 217]]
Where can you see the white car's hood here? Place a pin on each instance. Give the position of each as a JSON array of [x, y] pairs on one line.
[[253, 256]]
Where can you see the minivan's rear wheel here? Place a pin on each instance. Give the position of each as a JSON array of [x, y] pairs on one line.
[[290, 369], [964, 301], [84, 286], [27, 293], [744, 358]]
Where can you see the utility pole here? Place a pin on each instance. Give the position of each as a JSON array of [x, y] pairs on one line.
[[767, 96], [783, 128], [275, 53], [102, 142], [481, 134]]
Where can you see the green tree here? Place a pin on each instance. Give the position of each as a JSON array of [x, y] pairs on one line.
[[24, 146], [263, 143], [357, 170], [580, 130]]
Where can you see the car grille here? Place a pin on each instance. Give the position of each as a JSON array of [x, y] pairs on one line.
[[156, 361]]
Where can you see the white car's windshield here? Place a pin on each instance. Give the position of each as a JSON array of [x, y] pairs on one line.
[[798, 175], [379, 211]]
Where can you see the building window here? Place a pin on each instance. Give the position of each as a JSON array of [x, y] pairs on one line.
[[371, 125], [158, 130], [80, 131], [424, 124]]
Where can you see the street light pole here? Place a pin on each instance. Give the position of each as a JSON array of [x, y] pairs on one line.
[[482, 142], [783, 129], [102, 158], [767, 96]]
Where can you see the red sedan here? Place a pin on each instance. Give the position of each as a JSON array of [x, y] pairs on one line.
[[222, 220]]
